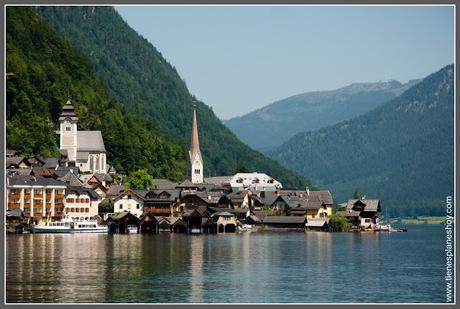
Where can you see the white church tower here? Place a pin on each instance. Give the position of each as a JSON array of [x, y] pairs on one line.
[[196, 160], [68, 136]]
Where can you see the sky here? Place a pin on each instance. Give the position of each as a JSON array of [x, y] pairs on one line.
[[237, 59]]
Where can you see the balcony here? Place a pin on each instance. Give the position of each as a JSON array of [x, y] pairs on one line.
[[59, 204], [26, 205], [48, 196], [158, 210], [14, 195], [59, 196], [13, 205], [27, 196]]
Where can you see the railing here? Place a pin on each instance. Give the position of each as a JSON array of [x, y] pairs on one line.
[[48, 196], [14, 195], [59, 196], [58, 204], [14, 205], [158, 210], [27, 195], [26, 204]]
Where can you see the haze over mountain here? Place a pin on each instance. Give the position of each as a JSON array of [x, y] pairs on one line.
[[137, 75], [401, 152], [275, 123]]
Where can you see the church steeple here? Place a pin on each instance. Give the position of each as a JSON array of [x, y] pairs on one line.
[[196, 160], [68, 131]]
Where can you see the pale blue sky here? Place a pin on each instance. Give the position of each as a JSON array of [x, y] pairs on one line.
[[240, 58]]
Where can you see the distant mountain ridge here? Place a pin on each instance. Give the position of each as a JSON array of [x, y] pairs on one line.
[[274, 124], [401, 152]]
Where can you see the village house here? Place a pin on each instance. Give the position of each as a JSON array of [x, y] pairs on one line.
[[162, 202], [284, 222], [81, 202], [129, 201], [362, 213], [254, 181], [225, 221], [38, 197]]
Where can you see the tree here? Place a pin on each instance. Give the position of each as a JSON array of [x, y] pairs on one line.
[[339, 224], [105, 207], [140, 179], [356, 194], [240, 169]]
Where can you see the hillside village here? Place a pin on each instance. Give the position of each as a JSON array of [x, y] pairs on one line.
[[80, 183]]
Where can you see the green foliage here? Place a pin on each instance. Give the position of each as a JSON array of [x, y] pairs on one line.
[[138, 75], [106, 207], [140, 179], [339, 224], [46, 70], [240, 169], [400, 153], [356, 194]]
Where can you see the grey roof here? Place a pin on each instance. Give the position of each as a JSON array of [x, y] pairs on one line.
[[71, 179], [79, 190], [51, 162], [219, 180], [230, 210], [90, 141], [141, 192], [14, 160], [155, 195], [15, 212], [23, 180], [284, 219], [222, 214], [103, 177], [322, 196], [348, 213], [164, 184], [317, 222], [82, 155], [261, 214], [114, 190], [187, 184], [254, 218], [10, 152], [23, 171], [370, 205]]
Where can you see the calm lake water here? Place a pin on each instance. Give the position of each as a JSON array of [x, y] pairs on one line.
[[236, 268]]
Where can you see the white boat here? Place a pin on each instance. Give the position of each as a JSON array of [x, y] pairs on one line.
[[132, 229], [195, 231], [88, 226], [63, 226]]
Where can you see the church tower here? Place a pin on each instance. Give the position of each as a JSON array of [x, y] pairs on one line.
[[68, 131], [196, 160]]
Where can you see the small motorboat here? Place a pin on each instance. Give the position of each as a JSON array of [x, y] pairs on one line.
[[132, 229]]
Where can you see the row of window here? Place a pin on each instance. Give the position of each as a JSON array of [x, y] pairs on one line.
[[137, 206], [77, 200], [77, 209]]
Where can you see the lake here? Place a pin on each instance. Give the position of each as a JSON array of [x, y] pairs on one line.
[[249, 267]]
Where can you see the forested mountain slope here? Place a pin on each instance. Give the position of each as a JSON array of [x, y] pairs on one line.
[[400, 152], [43, 70], [139, 77], [275, 123]]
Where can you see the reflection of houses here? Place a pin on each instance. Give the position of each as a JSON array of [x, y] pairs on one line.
[[38, 197], [81, 202], [129, 200], [362, 212]]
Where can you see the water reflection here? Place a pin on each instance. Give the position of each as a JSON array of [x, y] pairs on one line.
[[247, 267]]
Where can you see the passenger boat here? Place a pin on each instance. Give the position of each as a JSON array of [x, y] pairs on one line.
[[63, 226], [88, 226]]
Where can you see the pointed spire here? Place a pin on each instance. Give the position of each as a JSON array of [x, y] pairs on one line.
[[195, 144]]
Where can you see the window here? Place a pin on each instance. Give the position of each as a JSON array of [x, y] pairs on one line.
[[137, 206], [197, 171], [367, 220], [129, 196], [121, 206], [68, 128]]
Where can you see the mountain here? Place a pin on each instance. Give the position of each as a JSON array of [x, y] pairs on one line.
[[43, 70], [137, 75], [274, 124], [401, 152]]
